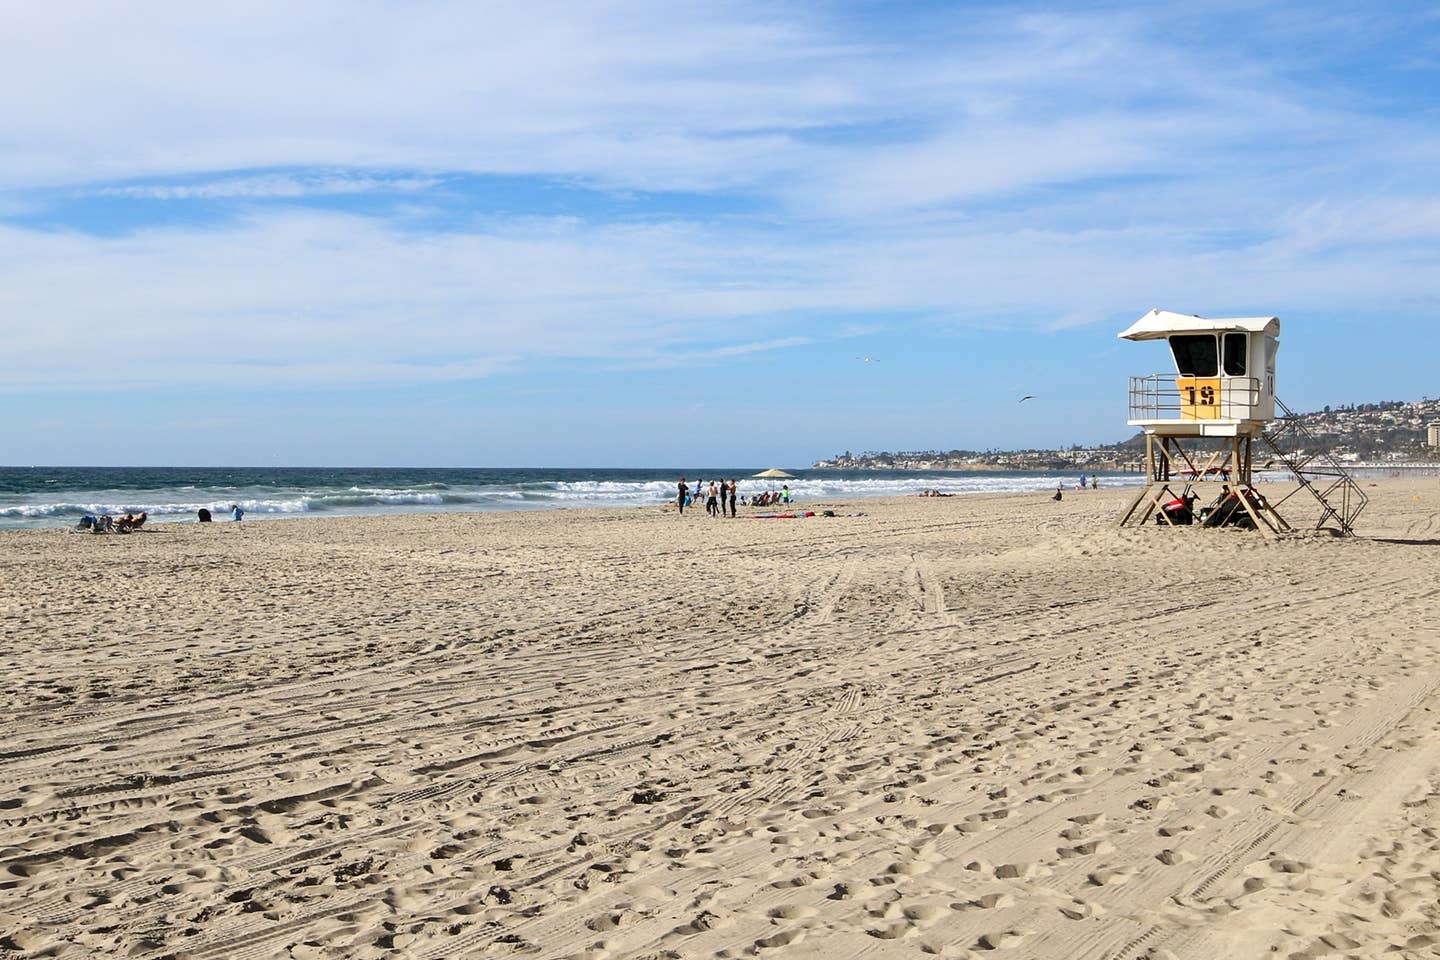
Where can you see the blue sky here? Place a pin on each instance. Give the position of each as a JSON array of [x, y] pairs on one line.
[[633, 233]]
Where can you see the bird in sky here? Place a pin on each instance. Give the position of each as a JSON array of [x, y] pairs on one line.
[[1028, 396], [867, 359]]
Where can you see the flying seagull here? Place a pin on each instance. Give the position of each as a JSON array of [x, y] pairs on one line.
[[867, 359], [1028, 396]]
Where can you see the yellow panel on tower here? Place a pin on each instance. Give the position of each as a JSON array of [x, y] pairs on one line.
[[1199, 397]]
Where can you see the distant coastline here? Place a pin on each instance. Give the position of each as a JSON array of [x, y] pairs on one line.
[[1010, 464], [1369, 433]]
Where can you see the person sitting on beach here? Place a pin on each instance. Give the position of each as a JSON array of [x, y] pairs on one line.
[[1224, 510], [130, 521], [1059, 492], [204, 515]]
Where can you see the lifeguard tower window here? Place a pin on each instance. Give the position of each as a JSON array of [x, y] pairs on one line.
[[1195, 354], [1235, 347]]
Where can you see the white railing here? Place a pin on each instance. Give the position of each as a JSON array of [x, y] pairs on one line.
[[1161, 396]]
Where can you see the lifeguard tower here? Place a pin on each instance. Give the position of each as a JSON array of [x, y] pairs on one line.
[[1201, 423]]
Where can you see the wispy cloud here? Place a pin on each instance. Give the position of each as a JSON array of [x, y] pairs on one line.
[[272, 185], [632, 96], [288, 298]]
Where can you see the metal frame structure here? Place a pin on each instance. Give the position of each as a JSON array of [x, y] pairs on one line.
[[1168, 462], [1313, 467], [1212, 404]]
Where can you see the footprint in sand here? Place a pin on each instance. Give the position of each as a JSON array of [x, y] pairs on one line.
[[782, 938], [1088, 848], [1081, 909], [1110, 876], [1000, 940], [925, 913], [610, 921], [989, 901], [800, 880], [702, 921], [793, 911], [1018, 871]]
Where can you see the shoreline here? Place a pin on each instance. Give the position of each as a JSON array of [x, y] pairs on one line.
[[179, 493], [951, 725], [850, 504]]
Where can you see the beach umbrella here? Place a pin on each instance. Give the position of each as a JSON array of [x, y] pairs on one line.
[[774, 473]]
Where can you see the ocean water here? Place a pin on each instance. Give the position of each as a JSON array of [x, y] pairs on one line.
[[59, 496]]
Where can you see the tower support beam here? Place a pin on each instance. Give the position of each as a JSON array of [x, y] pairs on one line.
[[1172, 474]]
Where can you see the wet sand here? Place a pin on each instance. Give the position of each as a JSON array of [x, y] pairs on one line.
[[949, 727]]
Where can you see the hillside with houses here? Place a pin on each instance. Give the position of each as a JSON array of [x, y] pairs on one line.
[[1387, 431]]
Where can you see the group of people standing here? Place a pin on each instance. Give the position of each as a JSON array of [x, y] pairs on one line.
[[716, 495]]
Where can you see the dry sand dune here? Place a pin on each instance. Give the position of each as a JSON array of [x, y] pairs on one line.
[[949, 727]]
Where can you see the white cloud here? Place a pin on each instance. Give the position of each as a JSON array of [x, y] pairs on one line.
[[977, 168], [272, 185], [288, 299], [598, 91], [799, 106]]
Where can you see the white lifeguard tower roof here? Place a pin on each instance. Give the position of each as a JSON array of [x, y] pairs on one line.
[[1159, 324]]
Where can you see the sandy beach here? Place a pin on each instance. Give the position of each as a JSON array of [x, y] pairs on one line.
[[947, 727]]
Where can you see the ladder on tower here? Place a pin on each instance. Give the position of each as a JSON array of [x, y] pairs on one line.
[[1316, 471]]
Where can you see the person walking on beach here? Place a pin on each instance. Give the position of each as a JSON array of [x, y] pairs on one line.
[[680, 500], [732, 497], [236, 512]]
